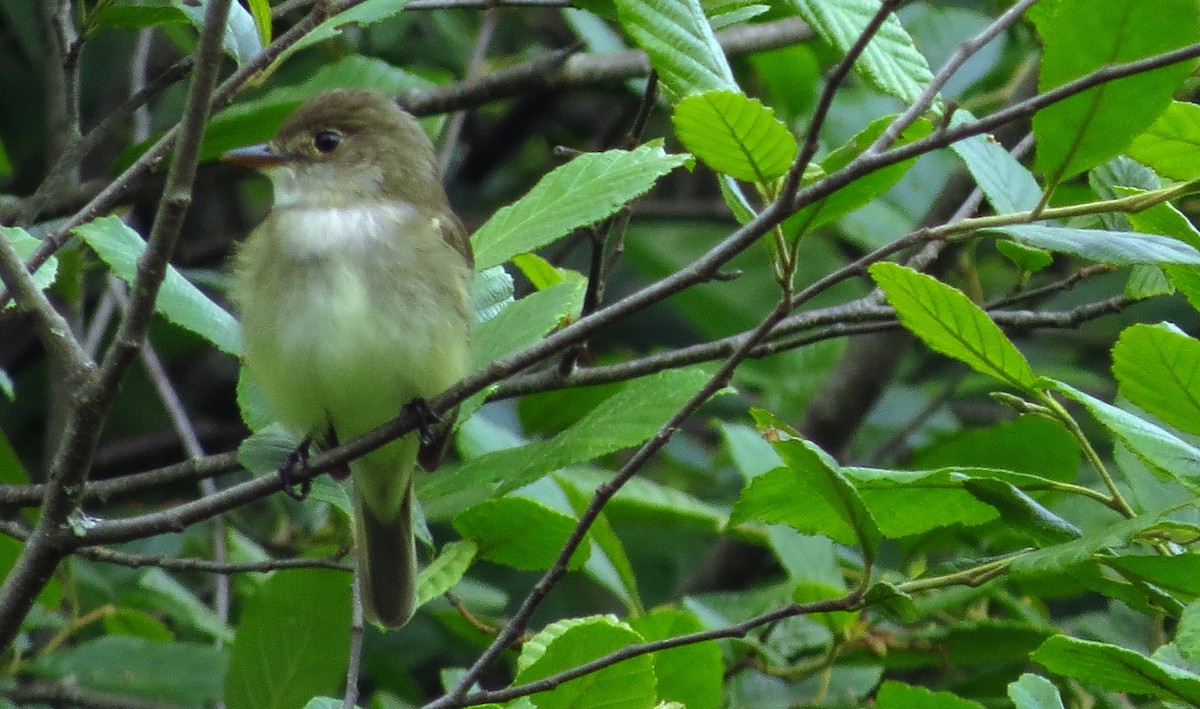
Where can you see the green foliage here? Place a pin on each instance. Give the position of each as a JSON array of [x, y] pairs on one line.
[[1089, 128], [1156, 367], [24, 245], [1171, 145], [1115, 247], [735, 134], [890, 62], [578, 194], [846, 522], [1117, 669], [566, 644], [185, 672], [292, 641], [179, 301], [950, 323], [680, 42]]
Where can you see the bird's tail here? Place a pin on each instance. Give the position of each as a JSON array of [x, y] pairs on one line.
[[387, 555]]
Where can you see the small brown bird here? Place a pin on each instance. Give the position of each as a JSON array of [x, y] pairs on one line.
[[354, 296]]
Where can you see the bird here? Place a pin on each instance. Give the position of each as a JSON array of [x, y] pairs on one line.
[[354, 300]]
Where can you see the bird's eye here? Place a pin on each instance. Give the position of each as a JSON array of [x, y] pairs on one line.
[[326, 140]]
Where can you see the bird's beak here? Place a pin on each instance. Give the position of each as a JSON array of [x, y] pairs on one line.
[[261, 155]]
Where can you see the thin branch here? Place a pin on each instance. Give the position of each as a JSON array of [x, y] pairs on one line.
[[738, 630], [453, 129], [566, 68], [867, 163], [42, 692], [17, 496], [802, 329], [112, 193], [520, 620], [791, 182], [964, 52], [68, 471], [222, 568], [608, 238], [28, 209]]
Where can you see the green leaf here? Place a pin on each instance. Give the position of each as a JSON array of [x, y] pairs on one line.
[[1117, 669], [139, 624], [883, 597], [361, 15], [519, 532], [184, 672], [609, 562], [625, 419], [1060, 557], [948, 322], [25, 244], [1171, 145], [1006, 183], [293, 640], [890, 62], [894, 695], [263, 451], [649, 499], [445, 571], [580, 193], [1026, 258], [169, 595], [733, 14], [540, 273], [1121, 248], [260, 10], [735, 134], [690, 674], [1158, 369], [1030, 444], [1022, 513], [132, 17], [861, 191], [1083, 36], [178, 300], [1187, 633], [566, 644], [680, 43], [241, 40], [519, 324], [1174, 574], [255, 410], [942, 496], [1034, 692], [491, 293], [809, 494], [1156, 447], [525, 322], [1164, 219]]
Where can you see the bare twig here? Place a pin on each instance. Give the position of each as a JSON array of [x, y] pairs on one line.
[[791, 182], [964, 52], [517, 624], [68, 471], [567, 68]]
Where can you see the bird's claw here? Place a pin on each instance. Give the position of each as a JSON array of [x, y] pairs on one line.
[[427, 418], [297, 458]]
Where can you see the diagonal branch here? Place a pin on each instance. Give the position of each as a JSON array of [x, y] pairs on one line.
[[51, 538]]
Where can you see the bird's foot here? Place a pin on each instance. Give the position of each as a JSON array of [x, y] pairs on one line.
[[427, 418], [297, 458]]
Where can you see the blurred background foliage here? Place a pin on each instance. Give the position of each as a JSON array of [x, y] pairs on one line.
[[911, 409]]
